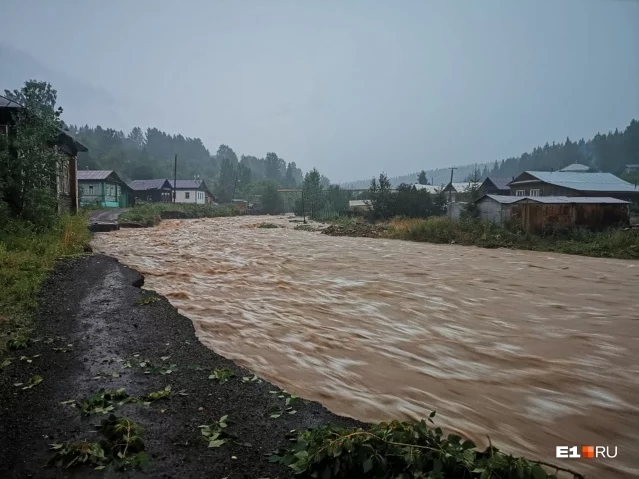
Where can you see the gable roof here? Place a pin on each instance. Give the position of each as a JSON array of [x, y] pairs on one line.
[[501, 183], [94, 174], [142, 185], [582, 181], [186, 184]]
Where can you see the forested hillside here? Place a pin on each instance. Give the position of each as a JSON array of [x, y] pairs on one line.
[[604, 152], [150, 154]]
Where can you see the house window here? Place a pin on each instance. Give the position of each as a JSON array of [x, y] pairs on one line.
[[4, 130], [90, 189], [520, 193], [149, 198], [534, 192], [187, 195]]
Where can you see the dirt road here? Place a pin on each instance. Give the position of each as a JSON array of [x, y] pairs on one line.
[[535, 349]]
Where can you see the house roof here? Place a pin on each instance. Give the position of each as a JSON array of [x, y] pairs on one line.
[[501, 183], [430, 188], [356, 203], [504, 199], [583, 181], [186, 184], [555, 200], [460, 187], [94, 174], [6, 103], [576, 167], [142, 185]]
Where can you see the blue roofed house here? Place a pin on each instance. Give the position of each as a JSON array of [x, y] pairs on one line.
[[570, 183]]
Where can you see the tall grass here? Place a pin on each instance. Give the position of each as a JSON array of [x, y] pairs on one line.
[[152, 213], [27, 257], [613, 243]]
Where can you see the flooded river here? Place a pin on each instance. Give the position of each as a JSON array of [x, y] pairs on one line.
[[535, 349]]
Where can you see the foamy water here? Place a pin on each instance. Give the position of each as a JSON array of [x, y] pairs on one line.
[[534, 349]]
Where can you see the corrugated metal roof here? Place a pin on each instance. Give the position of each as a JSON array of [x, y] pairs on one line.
[[93, 174], [355, 203], [576, 167], [574, 199], [502, 198], [186, 184], [141, 185], [585, 181]]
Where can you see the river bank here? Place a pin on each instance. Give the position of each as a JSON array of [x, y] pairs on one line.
[[94, 321]]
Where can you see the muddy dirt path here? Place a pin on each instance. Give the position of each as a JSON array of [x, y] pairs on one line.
[[535, 349]]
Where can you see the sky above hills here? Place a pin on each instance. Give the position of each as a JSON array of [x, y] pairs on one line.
[[353, 88]]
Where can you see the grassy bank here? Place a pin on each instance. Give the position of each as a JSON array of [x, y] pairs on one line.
[[26, 258], [152, 214], [609, 244]]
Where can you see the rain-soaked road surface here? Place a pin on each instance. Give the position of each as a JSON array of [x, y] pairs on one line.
[[535, 349]]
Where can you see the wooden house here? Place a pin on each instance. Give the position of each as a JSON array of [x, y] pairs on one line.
[[103, 188]]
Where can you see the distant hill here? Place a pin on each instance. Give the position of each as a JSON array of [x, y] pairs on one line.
[[439, 176], [82, 103]]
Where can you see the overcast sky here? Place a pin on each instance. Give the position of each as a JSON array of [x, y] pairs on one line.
[[352, 87]]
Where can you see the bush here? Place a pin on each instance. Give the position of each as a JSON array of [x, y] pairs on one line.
[[399, 450], [151, 214]]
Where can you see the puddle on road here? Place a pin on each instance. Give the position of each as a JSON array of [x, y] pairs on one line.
[[535, 349]]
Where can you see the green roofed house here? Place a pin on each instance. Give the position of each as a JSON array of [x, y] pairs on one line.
[[103, 188]]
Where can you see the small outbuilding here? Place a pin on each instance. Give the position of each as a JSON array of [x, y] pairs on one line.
[[360, 207], [536, 214]]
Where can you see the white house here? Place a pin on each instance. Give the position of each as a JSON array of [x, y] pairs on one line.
[[192, 191]]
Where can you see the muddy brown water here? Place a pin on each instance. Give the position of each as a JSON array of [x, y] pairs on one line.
[[534, 349]]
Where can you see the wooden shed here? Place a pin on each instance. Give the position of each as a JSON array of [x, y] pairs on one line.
[[536, 214]]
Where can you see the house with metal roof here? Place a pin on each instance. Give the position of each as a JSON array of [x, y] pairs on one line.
[[577, 168], [494, 185], [103, 188], [151, 191], [192, 191], [66, 183], [540, 213], [565, 183]]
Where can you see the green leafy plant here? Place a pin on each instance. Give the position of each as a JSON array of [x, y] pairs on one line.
[[251, 379], [215, 433], [121, 447], [146, 300], [19, 342], [222, 375], [102, 401], [34, 381], [289, 401], [400, 450]]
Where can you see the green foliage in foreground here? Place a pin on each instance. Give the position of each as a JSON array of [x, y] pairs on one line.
[[399, 450], [26, 258], [121, 447], [152, 213]]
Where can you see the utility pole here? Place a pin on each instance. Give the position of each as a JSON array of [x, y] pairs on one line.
[[303, 210], [450, 191], [174, 176]]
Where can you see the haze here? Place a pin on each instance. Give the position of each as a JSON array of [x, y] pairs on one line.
[[353, 87]]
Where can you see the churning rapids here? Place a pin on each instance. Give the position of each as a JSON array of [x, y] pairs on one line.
[[535, 349]]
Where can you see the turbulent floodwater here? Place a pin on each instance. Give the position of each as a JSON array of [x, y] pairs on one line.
[[535, 349]]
